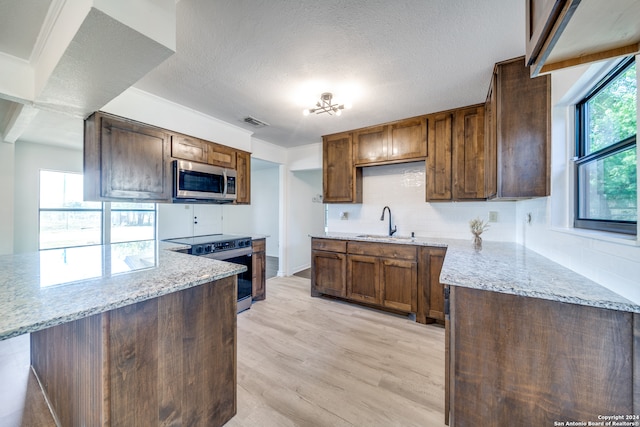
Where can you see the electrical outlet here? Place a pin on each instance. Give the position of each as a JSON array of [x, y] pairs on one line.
[[493, 216]]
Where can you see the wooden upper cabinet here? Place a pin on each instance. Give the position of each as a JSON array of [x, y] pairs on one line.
[[469, 154], [243, 177], [522, 107], [370, 145], [456, 165], [404, 140], [341, 180], [439, 160], [125, 160], [408, 139], [221, 155], [201, 151], [565, 33], [189, 148], [490, 139]]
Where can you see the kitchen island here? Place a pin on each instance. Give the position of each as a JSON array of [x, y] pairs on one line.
[[530, 342], [126, 334]]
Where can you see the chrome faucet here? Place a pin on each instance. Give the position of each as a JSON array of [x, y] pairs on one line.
[[391, 230]]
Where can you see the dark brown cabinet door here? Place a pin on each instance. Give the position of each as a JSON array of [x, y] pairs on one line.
[[469, 154], [430, 290], [399, 284], [221, 155], [407, 139], [329, 273], [402, 140], [363, 279], [341, 180], [243, 178], [516, 350], [133, 160], [436, 289], [370, 145], [189, 148], [258, 264], [523, 131], [490, 138], [439, 159]]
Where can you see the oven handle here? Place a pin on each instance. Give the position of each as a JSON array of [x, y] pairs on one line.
[[232, 253]]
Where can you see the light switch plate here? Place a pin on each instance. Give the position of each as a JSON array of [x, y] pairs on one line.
[[493, 216]]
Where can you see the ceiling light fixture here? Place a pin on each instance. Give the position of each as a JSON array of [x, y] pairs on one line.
[[325, 106]]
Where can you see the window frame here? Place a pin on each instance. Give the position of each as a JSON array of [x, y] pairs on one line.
[[105, 218], [581, 123]]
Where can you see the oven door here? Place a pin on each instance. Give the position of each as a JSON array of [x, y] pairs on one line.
[[245, 280]]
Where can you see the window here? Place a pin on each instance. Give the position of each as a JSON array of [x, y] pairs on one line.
[[132, 221], [66, 220], [606, 173]]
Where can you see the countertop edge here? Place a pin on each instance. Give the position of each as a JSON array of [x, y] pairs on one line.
[[510, 268]]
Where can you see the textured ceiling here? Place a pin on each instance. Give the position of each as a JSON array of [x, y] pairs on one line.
[[391, 59], [20, 22], [270, 59]]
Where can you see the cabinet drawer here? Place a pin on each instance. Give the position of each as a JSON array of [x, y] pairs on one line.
[[384, 250], [258, 245], [329, 245]]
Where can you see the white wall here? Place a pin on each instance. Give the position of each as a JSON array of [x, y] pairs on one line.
[[146, 108], [265, 208], [609, 259], [7, 152], [305, 216], [185, 220], [402, 188], [29, 159]]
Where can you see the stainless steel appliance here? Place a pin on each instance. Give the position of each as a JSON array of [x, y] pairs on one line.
[[194, 182], [225, 247]]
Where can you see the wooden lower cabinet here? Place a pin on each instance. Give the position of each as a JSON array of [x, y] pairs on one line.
[[170, 360], [398, 277], [399, 284], [363, 279], [517, 361], [430, 290], [328, 267], [258, 266]]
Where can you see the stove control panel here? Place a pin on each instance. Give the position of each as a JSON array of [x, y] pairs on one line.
[[225, 245]]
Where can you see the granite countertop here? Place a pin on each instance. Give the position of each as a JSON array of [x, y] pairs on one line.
[[509, 268], [47, 288]]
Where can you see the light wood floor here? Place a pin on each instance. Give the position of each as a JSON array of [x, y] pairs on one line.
[[302, 361], [306, 361]]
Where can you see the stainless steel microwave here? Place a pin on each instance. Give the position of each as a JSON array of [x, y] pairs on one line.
[[199, 182]]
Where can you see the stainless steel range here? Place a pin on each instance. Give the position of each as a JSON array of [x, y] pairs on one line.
[[225, 247]]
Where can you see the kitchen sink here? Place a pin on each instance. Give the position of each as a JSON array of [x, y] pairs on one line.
[[382, 236]]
